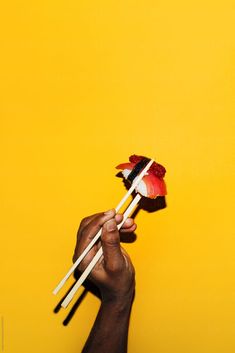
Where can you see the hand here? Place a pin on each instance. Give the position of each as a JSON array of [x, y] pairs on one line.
[[114, 274]]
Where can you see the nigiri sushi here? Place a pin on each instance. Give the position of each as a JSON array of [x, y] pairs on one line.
[[152, 185]]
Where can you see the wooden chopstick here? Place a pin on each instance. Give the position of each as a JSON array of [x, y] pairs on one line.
[[87, 249], [98, 255]]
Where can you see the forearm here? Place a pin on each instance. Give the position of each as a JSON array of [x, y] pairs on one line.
[[110, 330]]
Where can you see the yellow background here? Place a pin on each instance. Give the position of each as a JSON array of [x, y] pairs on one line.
[[84, 84]]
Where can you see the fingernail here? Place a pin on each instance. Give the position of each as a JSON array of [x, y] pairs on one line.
[[111, 225], [108, 212]]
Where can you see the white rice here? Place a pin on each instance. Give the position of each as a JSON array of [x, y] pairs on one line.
[[141, 187]]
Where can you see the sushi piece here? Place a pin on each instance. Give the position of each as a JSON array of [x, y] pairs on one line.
[[152, 185]]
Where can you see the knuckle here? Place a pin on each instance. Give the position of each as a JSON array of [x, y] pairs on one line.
[[82, 232], [83, 222], [98, 220]]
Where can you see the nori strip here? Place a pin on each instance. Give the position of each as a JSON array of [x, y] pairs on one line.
[[137, 169]]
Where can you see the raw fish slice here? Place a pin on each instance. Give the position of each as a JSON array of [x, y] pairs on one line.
[[155, 186], [129, 166]]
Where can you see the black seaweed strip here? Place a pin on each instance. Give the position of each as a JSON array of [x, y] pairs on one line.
[[137, 169]]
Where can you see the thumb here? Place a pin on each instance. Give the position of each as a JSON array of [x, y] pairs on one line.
[[110, 239]]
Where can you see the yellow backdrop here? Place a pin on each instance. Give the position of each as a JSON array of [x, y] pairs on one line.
[[84, 84]]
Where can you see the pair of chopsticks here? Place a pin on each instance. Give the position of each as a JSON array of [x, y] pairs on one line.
[[99, 253]]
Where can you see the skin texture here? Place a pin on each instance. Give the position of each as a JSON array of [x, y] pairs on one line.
[[114, 275]]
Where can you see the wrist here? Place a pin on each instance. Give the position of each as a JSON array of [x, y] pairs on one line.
[[118, 303]]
